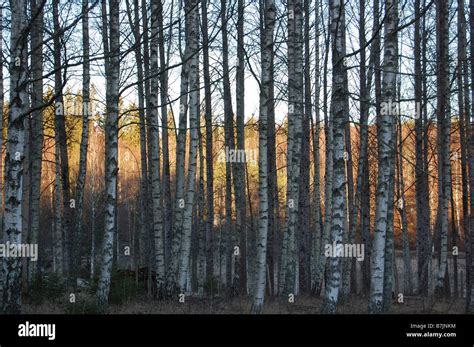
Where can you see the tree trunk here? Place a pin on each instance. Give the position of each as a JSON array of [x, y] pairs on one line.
[[166, 183], [193, 43], [2, 207], [86, 116], [304, 243], [295, 117], [386, 141], [444, 127], [464, 129], [36, 122], [60, 126], [154, 156], [209, 149], [339, 111], [470, 290], [112, 61], [421, 178], [362, 197], [266, 104], [329, 173], [58, 221], [401, 204], [316, 242], [14, 157], [229, 144], [180, 161], [239, 168]]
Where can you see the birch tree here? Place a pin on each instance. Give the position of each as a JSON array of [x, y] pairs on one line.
[[401, 206], [180, 159], [329, 172], [111, 41], [304, 243], [86, 116], [421, 175], [295, 115], [316, 247], [362, 198], [444, 128], [338, 118], [144, 219], [265, 105], [166, 180], [12, 221], [61, 138], [229, 144], [36, 147], [386, 147], [2, 183], [241, 206], [464, 128], [470, 289], [274, 229], [154, 155], [192, 41], [209, 145]]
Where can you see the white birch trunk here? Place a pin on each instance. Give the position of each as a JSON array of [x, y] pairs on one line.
[[385, 159], [193, 42], [180, 164], [14, 156], [265, 105], [295, 116], [112, 66], [155, 156], [338, 110]]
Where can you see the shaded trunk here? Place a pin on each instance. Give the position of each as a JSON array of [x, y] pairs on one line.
[[444, 127], [36, 123], [329, 173], [316, 241], [229, 144], [470, 291], [86, 116], [166, 180], [209, 149], [60, 127], [421, 176], [304, 243], [401, 204], [239, 168]]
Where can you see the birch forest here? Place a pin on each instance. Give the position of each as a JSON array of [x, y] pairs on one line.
[[237, 156]]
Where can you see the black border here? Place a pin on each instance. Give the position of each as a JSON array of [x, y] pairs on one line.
[[229, 329]]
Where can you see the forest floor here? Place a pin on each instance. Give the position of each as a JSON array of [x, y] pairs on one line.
[[303, 304]]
